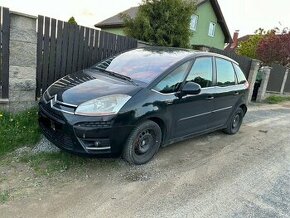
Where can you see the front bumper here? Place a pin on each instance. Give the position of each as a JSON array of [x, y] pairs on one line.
[[81, 134]]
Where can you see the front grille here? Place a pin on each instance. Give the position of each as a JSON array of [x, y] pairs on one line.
[[96, 124], [46, 96], [56, 136], [51, 113]]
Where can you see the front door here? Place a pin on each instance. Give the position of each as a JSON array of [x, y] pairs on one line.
[[192, 112]]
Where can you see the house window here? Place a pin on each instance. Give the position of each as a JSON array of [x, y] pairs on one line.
[[193, 23], [211, 30]]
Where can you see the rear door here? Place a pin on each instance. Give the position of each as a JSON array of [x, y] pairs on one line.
[[226, 94]]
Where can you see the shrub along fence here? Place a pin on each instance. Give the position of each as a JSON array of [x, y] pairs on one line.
[[4, 52], [64, 48]]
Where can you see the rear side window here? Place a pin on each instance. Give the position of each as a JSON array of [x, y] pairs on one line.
[[201, 72], [240, 74], [225, 73], [172, 81]]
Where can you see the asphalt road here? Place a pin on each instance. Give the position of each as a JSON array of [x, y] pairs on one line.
[[217, 175]]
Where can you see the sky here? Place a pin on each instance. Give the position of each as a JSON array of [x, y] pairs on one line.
[[243, 15]]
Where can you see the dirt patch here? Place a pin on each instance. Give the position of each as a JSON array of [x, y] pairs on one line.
[[213, 174]]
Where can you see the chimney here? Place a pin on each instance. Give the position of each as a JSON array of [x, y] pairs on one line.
[[235, 40]]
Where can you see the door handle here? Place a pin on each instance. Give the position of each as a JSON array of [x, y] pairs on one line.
[[210, 98], [236, 93], [169, 102]]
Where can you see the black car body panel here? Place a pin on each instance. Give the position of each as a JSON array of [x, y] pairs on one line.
[[89, 84], [178, 116]]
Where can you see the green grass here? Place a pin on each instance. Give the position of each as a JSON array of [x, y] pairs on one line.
[[48, 163], [4, 197], [275, 99], [18, 130]]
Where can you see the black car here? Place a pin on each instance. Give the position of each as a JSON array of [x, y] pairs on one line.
[[137, 101]]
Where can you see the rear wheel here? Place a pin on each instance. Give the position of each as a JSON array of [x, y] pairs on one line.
[[143, 143], [235, 122]]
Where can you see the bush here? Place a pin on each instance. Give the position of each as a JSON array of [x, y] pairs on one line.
[[162, 22]]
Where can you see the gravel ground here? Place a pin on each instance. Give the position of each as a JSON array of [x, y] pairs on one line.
[[45, 146], [216, 175]]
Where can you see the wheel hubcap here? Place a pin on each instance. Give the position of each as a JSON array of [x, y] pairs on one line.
[[144, 142], [236, 121]]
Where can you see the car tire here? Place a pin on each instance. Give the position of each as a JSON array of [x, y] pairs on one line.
[[235, 122], [142, 143]]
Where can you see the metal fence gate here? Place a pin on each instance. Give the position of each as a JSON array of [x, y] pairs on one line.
[[4, 52], [276, 78], [64, 48]]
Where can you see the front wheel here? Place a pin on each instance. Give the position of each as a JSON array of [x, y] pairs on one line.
[[235, 122], [143, 143]]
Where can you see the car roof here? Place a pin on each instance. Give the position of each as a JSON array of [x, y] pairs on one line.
[[182, 53]]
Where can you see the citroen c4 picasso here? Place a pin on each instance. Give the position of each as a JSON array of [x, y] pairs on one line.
[[135, 102]]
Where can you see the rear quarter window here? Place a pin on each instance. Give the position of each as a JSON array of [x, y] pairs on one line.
[[240, 75]]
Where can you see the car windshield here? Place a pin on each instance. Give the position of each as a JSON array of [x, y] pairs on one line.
[[142, 64]]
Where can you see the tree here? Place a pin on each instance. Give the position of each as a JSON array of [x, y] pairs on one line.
[[72, 21], [248, 48], [275, 49], [162, 22]]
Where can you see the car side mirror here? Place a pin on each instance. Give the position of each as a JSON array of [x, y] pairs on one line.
[[191, 88]]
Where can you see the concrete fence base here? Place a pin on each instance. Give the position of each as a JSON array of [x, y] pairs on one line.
[[22, 63], [263, 88]]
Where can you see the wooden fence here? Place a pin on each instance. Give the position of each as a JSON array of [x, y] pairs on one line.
[[244, 62], [64, 48], [4, 52]]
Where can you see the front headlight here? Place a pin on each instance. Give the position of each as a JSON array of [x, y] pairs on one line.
[[107, 105]]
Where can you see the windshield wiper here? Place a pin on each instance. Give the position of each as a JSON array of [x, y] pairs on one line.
[[112, 73]]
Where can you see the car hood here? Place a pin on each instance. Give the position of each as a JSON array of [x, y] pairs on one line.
[[89, 84]]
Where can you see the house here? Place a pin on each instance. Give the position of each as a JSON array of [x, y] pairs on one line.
[[208, 25]]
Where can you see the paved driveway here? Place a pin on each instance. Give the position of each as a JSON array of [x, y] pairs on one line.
[[245, 175]]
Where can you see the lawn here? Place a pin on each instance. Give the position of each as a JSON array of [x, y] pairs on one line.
[[17, 130], [275, 99]]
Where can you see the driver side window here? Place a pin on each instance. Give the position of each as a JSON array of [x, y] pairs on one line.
[[172, 81], [201, 72]]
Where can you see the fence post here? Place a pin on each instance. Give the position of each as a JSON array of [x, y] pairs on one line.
[[252, 78], [284, 81], [22, 61], [265, 79]]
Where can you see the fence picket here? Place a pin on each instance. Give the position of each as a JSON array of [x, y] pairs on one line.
[[5, 53], [1, 51], [58, 49], [64, 50], [52, 52], [81, 48], [76, 49], [71, 30], [86, 47], [45, 53]]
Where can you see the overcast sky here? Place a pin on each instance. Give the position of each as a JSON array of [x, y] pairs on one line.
[[243, 15]]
